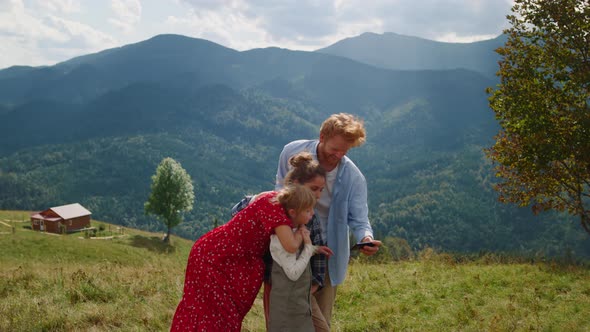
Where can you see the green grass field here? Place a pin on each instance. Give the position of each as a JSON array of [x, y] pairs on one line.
[[134, 282]]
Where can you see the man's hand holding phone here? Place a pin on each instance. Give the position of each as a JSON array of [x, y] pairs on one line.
[[360, 245], [367, 246]]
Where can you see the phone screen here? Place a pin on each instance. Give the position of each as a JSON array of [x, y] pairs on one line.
[[362, 244]]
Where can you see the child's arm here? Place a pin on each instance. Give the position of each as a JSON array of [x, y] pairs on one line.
[[289, 240], [291, 264]]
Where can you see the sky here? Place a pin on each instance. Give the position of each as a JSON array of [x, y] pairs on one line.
[[45, 32]]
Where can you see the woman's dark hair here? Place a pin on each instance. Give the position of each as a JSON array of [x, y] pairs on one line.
[[305, 169]]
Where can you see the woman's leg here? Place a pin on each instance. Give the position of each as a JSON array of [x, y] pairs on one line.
[[266, 301]]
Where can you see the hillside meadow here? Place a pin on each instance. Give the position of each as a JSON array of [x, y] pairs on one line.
[[133, 282]]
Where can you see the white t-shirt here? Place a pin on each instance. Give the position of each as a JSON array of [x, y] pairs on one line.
[[322, 207]]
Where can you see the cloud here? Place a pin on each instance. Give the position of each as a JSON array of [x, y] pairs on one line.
[[76, 38], [127, 14], [47, 31], [28, 36], [306, 24], [225, 27], [60, 6], [294, 19], [458, 19], [212, 4]]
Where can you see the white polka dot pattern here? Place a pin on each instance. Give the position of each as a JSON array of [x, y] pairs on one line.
[[225, 269]]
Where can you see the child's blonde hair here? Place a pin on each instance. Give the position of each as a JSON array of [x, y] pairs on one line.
[[297, 197]]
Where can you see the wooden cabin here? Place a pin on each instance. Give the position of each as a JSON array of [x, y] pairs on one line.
[[66, 218]]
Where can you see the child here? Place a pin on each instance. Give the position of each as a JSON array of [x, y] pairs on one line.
[[290, 306], [225, 266]]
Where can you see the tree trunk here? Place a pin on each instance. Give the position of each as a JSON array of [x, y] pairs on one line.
[[166, 238]]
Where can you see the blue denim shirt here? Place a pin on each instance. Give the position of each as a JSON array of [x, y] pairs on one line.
[[349, 210]]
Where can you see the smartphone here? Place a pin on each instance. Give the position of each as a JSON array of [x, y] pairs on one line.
[[362, 244]]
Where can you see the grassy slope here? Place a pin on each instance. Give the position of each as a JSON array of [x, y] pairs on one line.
[[64, 283]]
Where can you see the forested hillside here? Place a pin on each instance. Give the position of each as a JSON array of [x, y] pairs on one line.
[[93, 129]]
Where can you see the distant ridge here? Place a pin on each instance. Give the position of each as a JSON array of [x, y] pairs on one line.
[[157, 46], [158, 59], [394, 51]]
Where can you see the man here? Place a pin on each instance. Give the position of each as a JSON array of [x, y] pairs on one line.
[[343, 202]]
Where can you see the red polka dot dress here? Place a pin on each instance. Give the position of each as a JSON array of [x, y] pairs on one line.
[[225, 269]]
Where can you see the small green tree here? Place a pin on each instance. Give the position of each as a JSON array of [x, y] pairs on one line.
[[542, 152], [172, 194]]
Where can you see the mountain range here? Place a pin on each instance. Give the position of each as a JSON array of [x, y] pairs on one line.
[[93, 129], [393, 51]]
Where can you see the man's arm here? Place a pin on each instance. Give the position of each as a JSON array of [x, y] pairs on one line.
[[282, 169], [358, 209], [358, 219], [241, 205]]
